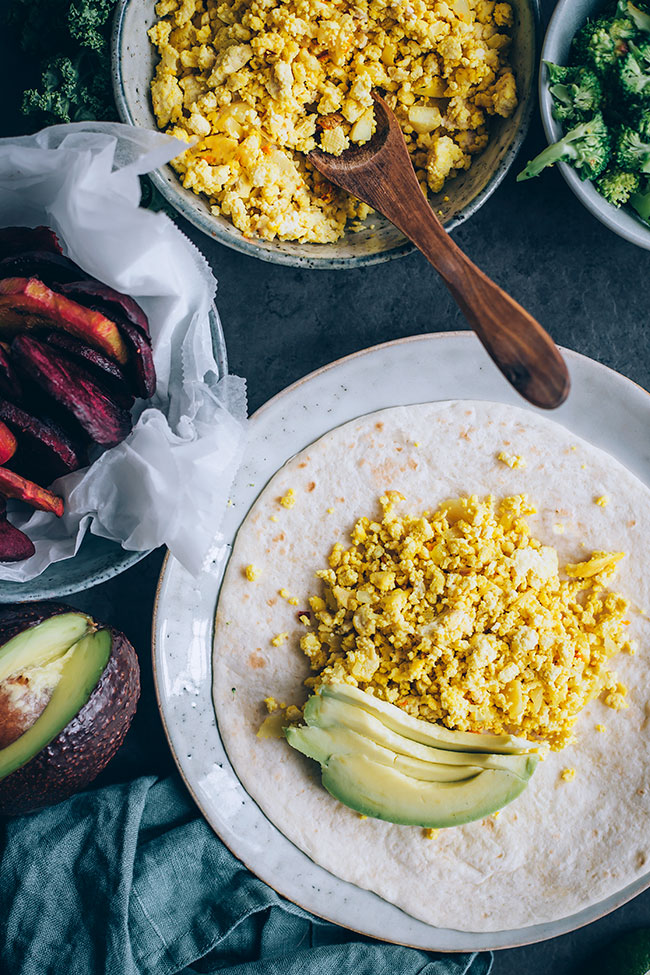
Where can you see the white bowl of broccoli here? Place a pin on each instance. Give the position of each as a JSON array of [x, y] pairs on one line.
[[596, 110]]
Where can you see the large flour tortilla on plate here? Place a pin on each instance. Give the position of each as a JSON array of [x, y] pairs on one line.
[[562, 845]]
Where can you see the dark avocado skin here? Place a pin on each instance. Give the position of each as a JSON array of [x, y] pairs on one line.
[[89, 741]]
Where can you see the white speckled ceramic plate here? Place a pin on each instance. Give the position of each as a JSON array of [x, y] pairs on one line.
[[604, 408]]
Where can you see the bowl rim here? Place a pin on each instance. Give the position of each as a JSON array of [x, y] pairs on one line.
[[622, 222], [271, 255]]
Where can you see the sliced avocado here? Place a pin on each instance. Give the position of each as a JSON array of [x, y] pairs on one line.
[[385, 793], [321, 744], [325, 711], [42, 643], [426, 732], [84, 663], [378, 771]]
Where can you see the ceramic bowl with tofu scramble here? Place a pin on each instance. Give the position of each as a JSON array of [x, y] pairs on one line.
[[431, 665], [254, 86]]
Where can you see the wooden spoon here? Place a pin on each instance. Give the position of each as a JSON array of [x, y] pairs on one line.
[[381, 174]]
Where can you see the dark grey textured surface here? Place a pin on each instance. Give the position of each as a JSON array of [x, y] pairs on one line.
[[588, 287]]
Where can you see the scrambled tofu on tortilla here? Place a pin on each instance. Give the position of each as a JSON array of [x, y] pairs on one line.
[[253, 85], [461, 616]]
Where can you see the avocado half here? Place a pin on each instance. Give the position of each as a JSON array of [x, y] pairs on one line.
[[69, 688]]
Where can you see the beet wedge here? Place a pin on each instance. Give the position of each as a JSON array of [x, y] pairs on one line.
[[27, 303], [7, 443], [14, 544], [104, 370], [15, 240], [44, 451], [14, 486], [112, 303], [10, 385], [51, 269], [140, 366], [74, 390]]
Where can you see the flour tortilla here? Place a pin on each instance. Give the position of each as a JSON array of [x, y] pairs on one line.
[[561, 845]]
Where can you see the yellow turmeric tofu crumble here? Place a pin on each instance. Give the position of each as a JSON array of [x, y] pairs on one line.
[[461, 616], [254, 85]]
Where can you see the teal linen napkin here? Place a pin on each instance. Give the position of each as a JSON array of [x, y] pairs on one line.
[[129, 879]]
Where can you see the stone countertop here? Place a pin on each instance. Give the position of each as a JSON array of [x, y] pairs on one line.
[[582, 282]]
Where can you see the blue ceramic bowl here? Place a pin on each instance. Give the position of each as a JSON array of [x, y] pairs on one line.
[[568, 18]]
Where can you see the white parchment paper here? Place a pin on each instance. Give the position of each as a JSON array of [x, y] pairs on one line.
[[168, 482]]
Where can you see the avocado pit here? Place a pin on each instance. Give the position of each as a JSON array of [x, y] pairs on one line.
[[22, 701]]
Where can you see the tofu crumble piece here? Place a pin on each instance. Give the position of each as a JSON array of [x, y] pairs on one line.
[[602, 501], [285, 594], [252, 86], [461, 616], [279, 715], [278, 640], [513, 461], [568, 775], [252, 573], [289, 499]]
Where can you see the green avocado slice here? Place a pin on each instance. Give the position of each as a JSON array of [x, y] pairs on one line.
[[386, 793], [424, 731], [84, 664], [324, 711], [370, 766], [41, 644], [322, 743]]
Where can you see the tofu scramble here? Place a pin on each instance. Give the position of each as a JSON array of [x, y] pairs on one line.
[[254, 85], [461, 616]]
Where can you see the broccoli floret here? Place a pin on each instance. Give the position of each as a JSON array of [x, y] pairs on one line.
[[617, 186], [641, 202], [631, 152], [640, 18], [641, 52], [587, 147], [633, 78], [576, 92], [621, 30], [639, 120], [600, 43]]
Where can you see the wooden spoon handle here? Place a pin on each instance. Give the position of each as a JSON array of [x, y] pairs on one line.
[[524, 352]]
